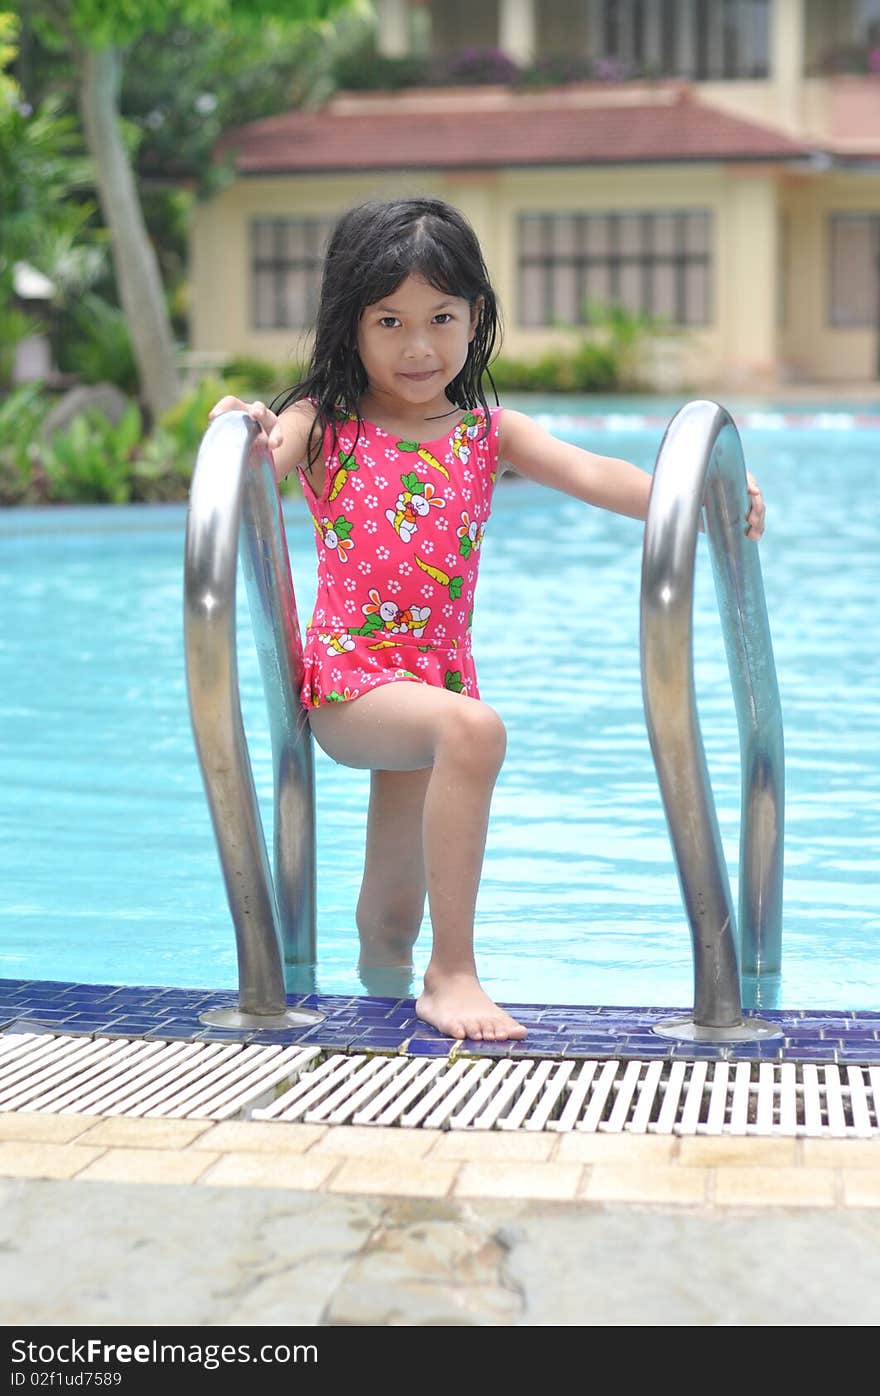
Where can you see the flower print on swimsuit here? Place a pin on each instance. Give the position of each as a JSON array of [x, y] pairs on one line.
[[413, 503], [397, 590]]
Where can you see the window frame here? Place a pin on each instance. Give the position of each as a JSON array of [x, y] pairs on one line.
[[646, 260], [872, 304], [317, 228]]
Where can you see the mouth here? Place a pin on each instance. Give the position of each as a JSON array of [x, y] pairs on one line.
[[419, 377]]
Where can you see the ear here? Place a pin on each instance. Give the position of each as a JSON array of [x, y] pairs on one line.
[[476, 313]]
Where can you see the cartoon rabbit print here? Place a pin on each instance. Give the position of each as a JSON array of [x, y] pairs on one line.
[[414, 502], [396, 621]]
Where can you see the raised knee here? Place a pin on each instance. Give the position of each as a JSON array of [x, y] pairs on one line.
[[393, 928], [476, 736]]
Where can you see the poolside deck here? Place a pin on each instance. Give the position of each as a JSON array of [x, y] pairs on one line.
[[258, 1222], [251, 1224]]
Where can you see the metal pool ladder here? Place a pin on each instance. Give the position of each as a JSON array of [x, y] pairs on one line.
[[701, 461], [234, 499]]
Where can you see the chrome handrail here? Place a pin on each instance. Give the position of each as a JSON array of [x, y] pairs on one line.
[[701, 461], [234, 501]]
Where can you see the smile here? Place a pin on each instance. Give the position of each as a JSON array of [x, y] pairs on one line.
[[420, 377]]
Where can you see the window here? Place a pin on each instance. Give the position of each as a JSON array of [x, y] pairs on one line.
[[702, 39], [655, 263], [855, 269], [286, 260], [841, 38]]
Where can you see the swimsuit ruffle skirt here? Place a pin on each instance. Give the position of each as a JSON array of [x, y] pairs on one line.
[[399, 525]]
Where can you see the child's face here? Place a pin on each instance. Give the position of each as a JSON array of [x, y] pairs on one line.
[[414, 342]]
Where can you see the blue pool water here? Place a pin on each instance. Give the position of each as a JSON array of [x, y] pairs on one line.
[[108, 870]]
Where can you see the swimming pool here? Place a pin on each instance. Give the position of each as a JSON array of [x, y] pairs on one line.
[[109, 871]]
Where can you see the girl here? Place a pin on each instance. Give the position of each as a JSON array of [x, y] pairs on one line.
[[398, 452]]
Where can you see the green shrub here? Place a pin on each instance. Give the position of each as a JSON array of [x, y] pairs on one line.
[[161, 470], [363, 69], [590, 368], [187, 421], [261, 377], [624, 333], [91, 462], [596, 368], [607, 361], [22, 413], [101, 350]]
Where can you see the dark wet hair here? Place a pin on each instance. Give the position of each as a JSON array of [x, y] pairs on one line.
[[372, 249]]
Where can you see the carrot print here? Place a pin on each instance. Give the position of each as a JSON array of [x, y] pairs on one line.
[[438, 575], [424, 455], [347, 464]]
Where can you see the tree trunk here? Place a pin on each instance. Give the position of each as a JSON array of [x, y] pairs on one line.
[[137, 269]]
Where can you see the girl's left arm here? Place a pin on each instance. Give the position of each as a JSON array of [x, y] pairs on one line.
[[604, 481]]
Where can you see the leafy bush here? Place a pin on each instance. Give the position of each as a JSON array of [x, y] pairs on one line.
[[187, 420], [589, 368], [556, 70], [608, 361], [90, 462], [22, 414], [364, 69], [101, 350], [161, 470], [261, 377]]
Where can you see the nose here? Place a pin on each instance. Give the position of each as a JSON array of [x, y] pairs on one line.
[[417, 347]]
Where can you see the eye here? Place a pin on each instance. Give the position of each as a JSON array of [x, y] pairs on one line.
[[443, 318], [389, 321]]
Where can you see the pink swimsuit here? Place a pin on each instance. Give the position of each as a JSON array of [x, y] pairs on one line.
[[399, 528]]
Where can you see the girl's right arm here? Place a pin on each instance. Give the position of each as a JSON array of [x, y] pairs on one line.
[[287, 436]]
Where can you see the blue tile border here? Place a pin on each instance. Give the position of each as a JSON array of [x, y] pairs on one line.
[[384, 1025]]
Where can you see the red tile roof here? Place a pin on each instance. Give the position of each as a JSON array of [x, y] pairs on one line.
[[468, 129]]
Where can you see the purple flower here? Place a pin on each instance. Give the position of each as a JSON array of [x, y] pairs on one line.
[[610, 70]]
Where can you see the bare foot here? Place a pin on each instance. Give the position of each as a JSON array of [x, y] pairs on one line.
[[456, 1005]]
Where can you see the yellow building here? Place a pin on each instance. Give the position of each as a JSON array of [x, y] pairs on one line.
[[716, 169]]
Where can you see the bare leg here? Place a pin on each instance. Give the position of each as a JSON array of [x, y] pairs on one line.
[[392, 900], [409, 727]]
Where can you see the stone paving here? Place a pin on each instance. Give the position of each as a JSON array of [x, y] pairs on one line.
[[187, 1222], [130, 1253]]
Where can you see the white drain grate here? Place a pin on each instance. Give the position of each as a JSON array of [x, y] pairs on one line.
[[221, 1081], [121, 1076]]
